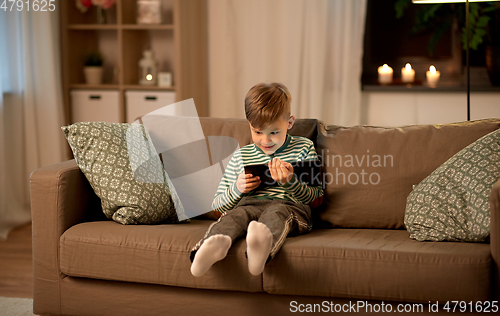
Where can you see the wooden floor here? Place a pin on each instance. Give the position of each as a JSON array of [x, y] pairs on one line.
[[16, 274]]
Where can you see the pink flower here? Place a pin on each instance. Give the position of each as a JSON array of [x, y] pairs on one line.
[[83, 5], [108, 4], [105, 4], [86, 3], [99, 3]]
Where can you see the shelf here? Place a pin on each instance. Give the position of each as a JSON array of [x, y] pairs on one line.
[[178, 43], [144, 87], [147, 26], [426, 88], [479, 82], [92, 86], [116, 86], [93, 27], [97, 27]]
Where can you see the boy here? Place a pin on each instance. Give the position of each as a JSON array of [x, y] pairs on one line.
[[267, 214]]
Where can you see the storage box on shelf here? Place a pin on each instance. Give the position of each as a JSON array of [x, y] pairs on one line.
[[179, 45], [95, 106], [140, 103]]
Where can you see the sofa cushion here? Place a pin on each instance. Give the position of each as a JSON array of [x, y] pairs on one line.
[[156, 254], [379, 264], [125, 171], [369, 171], [452, 203]]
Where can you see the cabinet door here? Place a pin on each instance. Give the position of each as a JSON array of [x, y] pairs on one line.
[[95, 106], [139, 103]]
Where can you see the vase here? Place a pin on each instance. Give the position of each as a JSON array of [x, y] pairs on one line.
[[493, 64], [100, 15], [93, 75]]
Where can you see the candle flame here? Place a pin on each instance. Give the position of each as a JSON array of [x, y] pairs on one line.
[[385, 68], [408, 67], [432, 69]]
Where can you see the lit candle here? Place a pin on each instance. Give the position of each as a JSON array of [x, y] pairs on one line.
[[407, 74], [385, 74], [432, 76]]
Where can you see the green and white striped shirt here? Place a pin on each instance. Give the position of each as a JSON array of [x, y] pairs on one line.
[[294, 149]]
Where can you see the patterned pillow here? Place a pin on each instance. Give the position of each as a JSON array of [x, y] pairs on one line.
[[452, 203], [123, 168]]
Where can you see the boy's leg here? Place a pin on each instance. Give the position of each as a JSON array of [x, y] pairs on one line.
[[220, 236], [283, 219], [214, 249], [259, 243]]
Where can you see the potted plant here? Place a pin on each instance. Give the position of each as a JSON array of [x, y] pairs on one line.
[[483, 27], [93, 68]]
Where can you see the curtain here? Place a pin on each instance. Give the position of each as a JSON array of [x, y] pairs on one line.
[[31, 111], [314, 47]]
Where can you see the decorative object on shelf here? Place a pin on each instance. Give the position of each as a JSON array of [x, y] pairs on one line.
[[385, 74], [147, 69], [148, 12], [100, 6], [165, 79], [432, 76], [407, 74], [93, 68]]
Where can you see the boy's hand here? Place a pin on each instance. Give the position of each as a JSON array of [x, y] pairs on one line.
[[281, 171], [247, 182]]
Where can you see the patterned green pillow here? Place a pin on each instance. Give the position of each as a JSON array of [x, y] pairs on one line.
[[123, 168], [452, 203]]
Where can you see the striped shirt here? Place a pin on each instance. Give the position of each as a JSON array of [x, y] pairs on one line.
[[294, 149]]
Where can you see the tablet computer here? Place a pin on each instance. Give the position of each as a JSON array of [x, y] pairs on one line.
[[308, 172]]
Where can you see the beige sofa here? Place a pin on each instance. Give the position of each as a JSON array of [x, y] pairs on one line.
[[358, 257]]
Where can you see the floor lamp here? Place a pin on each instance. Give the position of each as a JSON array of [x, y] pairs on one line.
[[467, 36]]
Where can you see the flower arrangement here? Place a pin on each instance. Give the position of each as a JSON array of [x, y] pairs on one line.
[[84, 5]]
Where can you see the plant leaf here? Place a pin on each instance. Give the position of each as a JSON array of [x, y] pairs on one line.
[[400, 7], [483, 21], [440, 30]]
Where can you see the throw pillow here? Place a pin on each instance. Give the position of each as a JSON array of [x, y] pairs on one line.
[[125, 171], [452, 203]]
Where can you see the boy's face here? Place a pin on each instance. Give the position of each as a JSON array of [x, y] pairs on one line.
[[272, 136]]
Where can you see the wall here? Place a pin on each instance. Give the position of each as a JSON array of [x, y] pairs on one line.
[[406, 108]]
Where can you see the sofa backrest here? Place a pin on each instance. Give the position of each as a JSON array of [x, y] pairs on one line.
[[240, 130], [369, 171]]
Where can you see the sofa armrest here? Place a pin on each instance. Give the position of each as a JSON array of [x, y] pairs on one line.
[[495, 236], [60, 198]]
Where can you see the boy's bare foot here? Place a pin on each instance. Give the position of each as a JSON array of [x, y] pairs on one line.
[[259, 242], [212, 250]]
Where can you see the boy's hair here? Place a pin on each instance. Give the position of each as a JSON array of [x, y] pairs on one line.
[[265, 103]]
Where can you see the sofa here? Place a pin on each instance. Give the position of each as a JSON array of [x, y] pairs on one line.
[[358, 257]]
